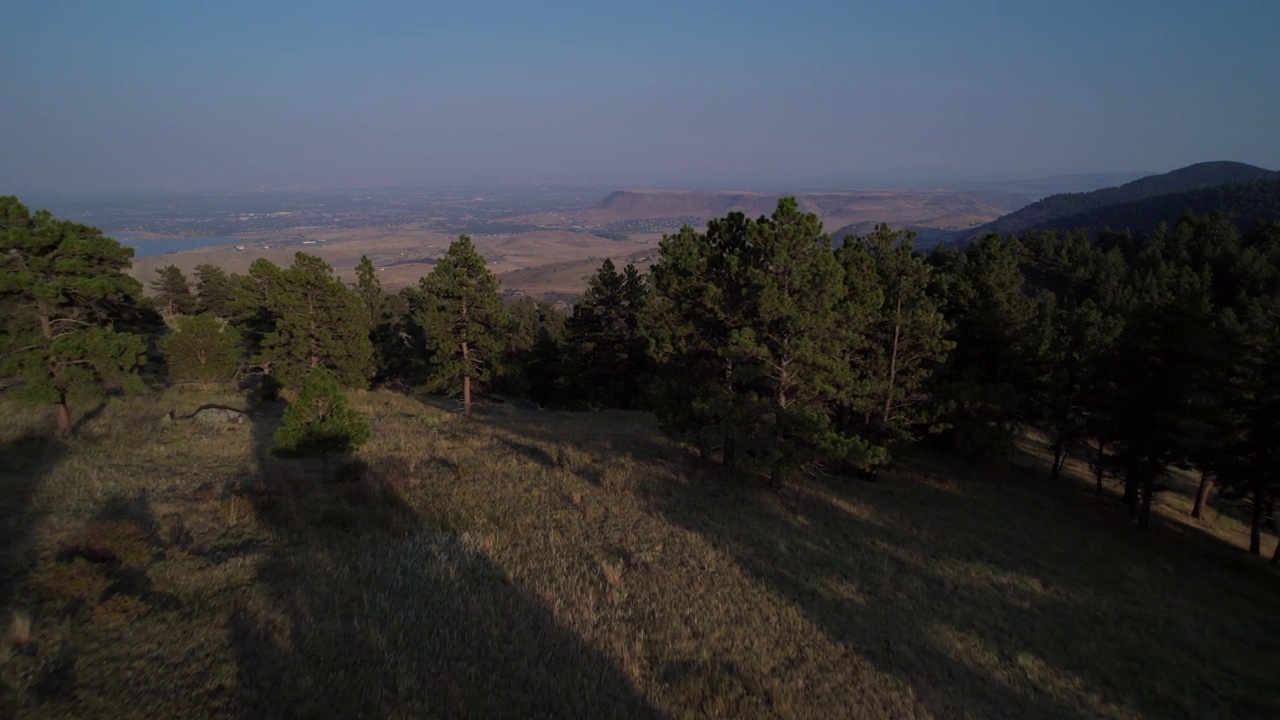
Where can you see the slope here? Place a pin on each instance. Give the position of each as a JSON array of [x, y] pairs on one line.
[[1246, 204], [1065, 205]]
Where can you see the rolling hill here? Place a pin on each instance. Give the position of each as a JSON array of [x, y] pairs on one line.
[[1246, 203], [1055, 209]]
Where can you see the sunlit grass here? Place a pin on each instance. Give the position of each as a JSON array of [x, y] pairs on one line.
[[531, 564]]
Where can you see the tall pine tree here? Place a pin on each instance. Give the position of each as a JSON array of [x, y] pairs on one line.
[[319, 322], [462, 319]]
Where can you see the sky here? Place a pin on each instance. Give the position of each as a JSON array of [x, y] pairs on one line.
[[198, 96]]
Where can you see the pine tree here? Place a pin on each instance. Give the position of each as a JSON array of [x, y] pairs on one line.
[[215, 290], [993, 326], [252, 307], [319, 322], [383, 312], [695, 309], [895, 338], [746, 325], [204, 349], [173, 292], [608, 351], [532, 362], [320, 421], [462, 319], [62, 288]]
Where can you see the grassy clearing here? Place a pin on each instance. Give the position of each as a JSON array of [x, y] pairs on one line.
[[535, 564]]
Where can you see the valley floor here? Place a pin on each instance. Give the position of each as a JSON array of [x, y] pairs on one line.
[[539, 564]]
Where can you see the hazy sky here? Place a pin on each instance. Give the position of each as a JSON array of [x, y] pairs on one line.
[[126, 95]]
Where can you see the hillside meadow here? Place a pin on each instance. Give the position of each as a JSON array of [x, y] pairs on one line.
[[526, 563]]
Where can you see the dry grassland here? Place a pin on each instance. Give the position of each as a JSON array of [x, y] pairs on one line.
[[539, 564]]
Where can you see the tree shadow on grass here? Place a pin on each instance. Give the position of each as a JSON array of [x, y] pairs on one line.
[[368, 606], [1041, 630], [986, 598]]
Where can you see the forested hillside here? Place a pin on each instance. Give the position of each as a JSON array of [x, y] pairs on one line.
[[1244, 205], [737, 398], [1055, 208]]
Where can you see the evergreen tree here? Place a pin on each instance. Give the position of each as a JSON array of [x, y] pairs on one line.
[[252, 306], [1080, 321], [696, 307], [63, 288], [173, 291], [1153, 374], [369, 288], [383, 314], [532, 363], [320, 421], [319, 322], [462, 319], [994, 330], [215, 291], [745, 323], [607, 349], [901, 342], [204, 349]]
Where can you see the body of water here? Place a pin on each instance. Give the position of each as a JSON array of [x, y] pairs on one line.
[[144, 248]]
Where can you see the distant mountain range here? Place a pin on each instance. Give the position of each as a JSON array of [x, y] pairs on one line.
[[1245, 190]]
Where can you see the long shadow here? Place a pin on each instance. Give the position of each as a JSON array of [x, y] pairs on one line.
[[25, 462], [367, 606], [966, 645], [906, 638]]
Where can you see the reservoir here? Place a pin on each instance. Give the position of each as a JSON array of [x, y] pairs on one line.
[[144, 248]]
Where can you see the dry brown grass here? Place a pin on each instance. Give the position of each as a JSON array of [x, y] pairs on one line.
[[538, 564]]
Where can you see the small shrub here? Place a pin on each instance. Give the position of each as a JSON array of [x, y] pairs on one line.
[[320, 422]]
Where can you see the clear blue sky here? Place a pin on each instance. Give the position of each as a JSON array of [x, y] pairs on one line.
[[128, 95]]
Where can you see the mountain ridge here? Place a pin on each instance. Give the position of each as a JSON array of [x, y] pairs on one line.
[[1061, 206]]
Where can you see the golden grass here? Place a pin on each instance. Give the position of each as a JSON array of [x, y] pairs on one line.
[[540, 564]]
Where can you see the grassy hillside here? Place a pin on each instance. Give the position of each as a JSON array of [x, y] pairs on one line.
[[1058, 207], [537, 564]]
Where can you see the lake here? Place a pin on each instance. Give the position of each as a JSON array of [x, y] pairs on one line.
[[144, 248]]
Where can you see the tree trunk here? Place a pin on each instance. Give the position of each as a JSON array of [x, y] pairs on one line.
[[728, 452], [64, 415], [893, 363], [1275, 556], [1255, 526], [1059, 458], [1131, 494], [1202, 495], [1144, 512], [466, 380], [775, 478], [1098, 467]]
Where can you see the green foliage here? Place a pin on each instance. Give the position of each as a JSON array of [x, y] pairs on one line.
[[462, 319], [320, 422], [607, 351], [996, 344], [215, 291], [531, 364], [204, 349], [318, 322], [747, 325], [895, 339], [173, 291], [63, 288]]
